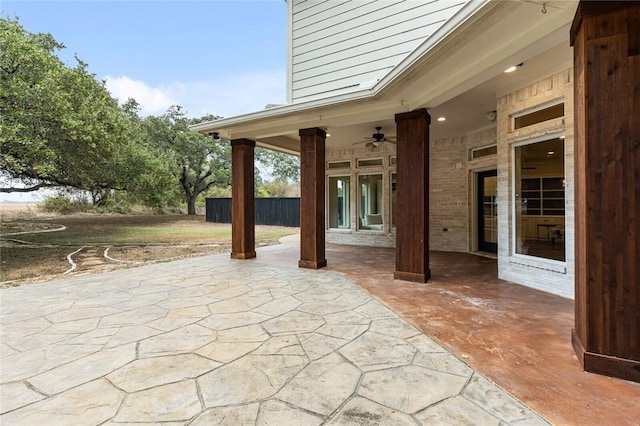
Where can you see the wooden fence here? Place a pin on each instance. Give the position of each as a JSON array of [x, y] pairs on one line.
[[269, 211]]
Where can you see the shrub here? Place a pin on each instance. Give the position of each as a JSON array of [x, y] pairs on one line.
[[64, 205], [119, 207]]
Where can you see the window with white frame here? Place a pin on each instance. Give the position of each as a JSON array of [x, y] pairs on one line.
[[370, 202], [339, 187]]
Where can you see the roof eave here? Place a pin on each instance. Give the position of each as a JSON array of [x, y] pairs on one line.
[[279, 111]]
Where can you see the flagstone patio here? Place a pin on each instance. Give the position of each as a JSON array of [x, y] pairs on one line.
[[211, 340]]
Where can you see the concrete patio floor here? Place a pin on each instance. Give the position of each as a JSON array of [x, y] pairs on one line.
[[517, 337], [210, 340]]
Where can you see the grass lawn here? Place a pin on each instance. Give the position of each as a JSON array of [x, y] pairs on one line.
[[130, 238]]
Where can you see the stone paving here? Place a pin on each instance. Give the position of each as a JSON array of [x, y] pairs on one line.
[[215, 341]]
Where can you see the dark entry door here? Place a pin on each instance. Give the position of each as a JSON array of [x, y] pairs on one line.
[[488, 211]]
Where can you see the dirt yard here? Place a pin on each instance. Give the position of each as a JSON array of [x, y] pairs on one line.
[[37, 247], [18, 211]]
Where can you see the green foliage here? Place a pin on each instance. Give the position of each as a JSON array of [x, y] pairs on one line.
[[69, 203], [218, 192], [273, 189], [62, 204], [198, 163], [280, 166], [120, 207], [59, 126]]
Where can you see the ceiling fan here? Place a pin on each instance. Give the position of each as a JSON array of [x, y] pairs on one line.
[[376, 139]]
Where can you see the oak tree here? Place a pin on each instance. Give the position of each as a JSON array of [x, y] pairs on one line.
[[199, 162], [59, 126]]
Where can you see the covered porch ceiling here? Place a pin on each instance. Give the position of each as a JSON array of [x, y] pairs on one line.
[[459, 78]]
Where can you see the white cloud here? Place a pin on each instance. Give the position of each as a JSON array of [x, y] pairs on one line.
[[152, 100], [238, 94]]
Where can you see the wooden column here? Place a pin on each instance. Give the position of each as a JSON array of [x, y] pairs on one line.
[[243, 212], [412, 217], [606, 40], [312, 251]]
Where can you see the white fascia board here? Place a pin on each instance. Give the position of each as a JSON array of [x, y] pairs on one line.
[[280, 111]]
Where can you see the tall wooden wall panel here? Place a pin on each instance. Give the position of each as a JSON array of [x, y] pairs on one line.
[[606, 39], [412, 220], [243, 213], [312, 238]]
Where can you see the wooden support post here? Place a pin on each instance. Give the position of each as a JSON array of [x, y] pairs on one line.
[[312, 250], [606, 40], [243, 213], [412, 226]]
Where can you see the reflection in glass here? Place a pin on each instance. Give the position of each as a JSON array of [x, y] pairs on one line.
[[490, 209], [394, 200], [540, 199], [339, 202], [370, 202]]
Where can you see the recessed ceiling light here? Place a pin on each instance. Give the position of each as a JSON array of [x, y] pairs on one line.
[[442, 118], [513, 68]]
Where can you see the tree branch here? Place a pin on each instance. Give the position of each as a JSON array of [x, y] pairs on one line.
[[29, 189]]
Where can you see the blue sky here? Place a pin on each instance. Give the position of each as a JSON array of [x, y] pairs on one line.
[[219, 57]]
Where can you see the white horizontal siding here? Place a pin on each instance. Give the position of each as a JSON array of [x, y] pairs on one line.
[[338, 44], [301, 7], [304, 11], [357, 75], [371, 14], [351, 65], [386, 42], [366, 32], [335, 13]]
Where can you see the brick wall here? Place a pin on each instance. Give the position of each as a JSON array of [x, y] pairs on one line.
[[451, 189], [448, 195]]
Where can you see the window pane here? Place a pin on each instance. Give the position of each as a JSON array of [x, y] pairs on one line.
[[370, 202], [483, 152], [370, 162], [540, 199], [490, 209], [535, 117], [339, 202], [338, 165]]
